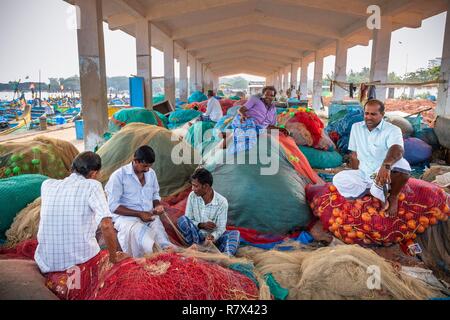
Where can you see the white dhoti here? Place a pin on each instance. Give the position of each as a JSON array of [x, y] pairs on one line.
[[138, 238], [354, 184]]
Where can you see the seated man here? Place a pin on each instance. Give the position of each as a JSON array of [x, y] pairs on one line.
[[71, 211], [213, 110], [258, 113], [377, 160], [206, 216], [133, 197]]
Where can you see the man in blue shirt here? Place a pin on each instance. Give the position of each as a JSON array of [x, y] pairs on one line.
[[376, 159]]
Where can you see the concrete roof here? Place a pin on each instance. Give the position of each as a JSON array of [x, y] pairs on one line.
[[260, 36]]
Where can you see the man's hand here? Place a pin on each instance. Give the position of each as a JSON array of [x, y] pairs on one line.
[[146, 216], [209, 237], [119, 256], [159, 210], [208, 226], [383, 176]]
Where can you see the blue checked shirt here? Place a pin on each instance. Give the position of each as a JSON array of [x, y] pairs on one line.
[[71, 211], [372, 146], [215, 211]]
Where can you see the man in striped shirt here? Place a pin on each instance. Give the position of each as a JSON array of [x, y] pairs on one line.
[[206, 216]]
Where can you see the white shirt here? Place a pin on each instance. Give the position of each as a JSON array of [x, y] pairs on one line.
[[71, 211], [372, 146], [124, 188], [214, 110], [215, 211]]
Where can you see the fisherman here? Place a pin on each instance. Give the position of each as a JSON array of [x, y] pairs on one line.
[[376, 159], [213, 110], [71, 211], [256, 115], [206, 216], [133, 197]]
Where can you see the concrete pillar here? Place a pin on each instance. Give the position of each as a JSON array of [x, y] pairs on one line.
[[443, 103], [199, 83], [304, 79], [91, 53], [183, 58], [144, 58], [340, 69], [215, 82], [381, 48], [169, 71], [318, 80], [192, 74], [294, 71]]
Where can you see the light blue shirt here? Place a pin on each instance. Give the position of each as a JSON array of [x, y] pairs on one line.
[[372, 146], [124, 188], [216, 211]]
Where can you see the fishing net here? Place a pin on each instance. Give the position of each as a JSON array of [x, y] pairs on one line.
[[131, 115], [275, 203], [339, 273], [42, 155], [15, 194], [180, 117], [340, 125], [172, 177], [306, 128], [25, 225], [421, 205], [435, 244], [201, 136], [321, 159], [197, 96]]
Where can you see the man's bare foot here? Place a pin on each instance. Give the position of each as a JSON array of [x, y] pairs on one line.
[[170, 249], [393, 206]]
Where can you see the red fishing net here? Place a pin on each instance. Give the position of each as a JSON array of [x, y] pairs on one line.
[[173, 277], [421, 205]]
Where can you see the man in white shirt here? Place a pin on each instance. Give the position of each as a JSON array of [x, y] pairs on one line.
[[205, 219], [213, 109], [71, 211], [376, 159], [133, 197]]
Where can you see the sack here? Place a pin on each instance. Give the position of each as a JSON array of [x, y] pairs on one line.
[[421, 205], [417, 151]]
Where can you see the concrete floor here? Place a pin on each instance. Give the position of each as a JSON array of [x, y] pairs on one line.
[[64, 132]]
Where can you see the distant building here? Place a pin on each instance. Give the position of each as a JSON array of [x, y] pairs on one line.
[[255, 87]]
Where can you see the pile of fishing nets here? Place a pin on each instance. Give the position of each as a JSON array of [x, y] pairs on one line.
[[131, 115], [201, 135], [265, 185], [339, 273], [42, 155], [340, 125], [163, 276], [421, 205], [25, 225], [178, 118], [306, 128], [15, 194], [417, 151], [197, 96], [174, 277], [172, 177], [322, 159], [435, 244]]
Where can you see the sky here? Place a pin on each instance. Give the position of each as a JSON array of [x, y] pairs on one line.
[[37, 35]]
